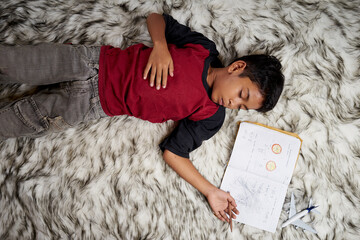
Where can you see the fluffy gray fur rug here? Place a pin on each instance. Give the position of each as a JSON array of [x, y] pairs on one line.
[[107, 179]]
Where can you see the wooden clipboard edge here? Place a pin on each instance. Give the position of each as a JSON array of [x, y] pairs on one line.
[[276, 129]]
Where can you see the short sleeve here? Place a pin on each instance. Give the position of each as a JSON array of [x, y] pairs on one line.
[[189, 135], [180, 35]]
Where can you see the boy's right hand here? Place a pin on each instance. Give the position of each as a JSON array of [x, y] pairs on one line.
[[160, 64]]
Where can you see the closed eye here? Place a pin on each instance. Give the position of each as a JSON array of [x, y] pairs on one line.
[[248, 95]]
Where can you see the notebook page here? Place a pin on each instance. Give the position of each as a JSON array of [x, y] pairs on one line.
[[265, 152], [258, 200]]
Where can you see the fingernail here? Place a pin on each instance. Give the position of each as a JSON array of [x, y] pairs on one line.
[[157, 87], [151, 84], [164, 86]]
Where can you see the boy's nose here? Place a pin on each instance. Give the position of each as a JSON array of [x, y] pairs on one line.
[[234, 104], [231, 103]]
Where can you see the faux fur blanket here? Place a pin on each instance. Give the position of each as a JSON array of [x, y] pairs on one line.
[[107, 179]]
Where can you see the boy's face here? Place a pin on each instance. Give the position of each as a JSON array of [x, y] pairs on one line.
[[234, 92]]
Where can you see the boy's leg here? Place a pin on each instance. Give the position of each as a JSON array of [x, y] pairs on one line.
[[52, 109], [47, 63]]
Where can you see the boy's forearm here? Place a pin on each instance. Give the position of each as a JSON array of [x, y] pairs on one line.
[[156, 27], [187, 171]]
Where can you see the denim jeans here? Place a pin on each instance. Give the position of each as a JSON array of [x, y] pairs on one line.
[[68, 76]]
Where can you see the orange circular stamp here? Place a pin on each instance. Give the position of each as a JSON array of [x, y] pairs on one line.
[[270, 166], [276, 148]]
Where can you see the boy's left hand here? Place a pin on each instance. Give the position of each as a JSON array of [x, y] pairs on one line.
[[161, 64], [219, 201]]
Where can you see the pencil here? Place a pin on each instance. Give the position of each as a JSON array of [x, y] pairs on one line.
[[230, 215]]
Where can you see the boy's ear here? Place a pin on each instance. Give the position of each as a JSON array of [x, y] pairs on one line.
[[237, 66]]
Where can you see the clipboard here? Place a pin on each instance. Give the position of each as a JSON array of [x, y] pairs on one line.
[[259, 172]]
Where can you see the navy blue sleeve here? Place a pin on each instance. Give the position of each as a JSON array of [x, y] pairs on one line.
[[180, 35], [189, 135]]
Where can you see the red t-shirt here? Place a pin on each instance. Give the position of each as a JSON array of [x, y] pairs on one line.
[[123, 90]]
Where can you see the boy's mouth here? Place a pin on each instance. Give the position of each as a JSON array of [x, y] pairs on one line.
[[221, 102]]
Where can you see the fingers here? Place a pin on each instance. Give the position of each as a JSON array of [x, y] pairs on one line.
[[171, 68], [222, 216], [152, 76], [225, 216], [233, 211], [164, 79], [233, 204], [158, 76], [146, 71], [159, 65]]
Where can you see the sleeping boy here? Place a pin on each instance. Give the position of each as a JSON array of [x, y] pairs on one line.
[[180, 78]]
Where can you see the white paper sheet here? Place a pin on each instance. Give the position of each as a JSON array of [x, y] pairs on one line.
[[259, 172]]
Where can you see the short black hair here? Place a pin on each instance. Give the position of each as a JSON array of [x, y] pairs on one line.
[[265, 72]]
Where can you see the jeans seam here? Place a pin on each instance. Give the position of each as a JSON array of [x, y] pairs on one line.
[[93, 97], [69, 86], [38, 113], [93, 63], [5, 110]]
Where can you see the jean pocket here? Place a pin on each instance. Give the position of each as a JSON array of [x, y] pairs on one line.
[[22, 118], [28, 112]]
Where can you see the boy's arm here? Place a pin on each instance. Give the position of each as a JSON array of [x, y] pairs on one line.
[[160, 62], [217, 198]]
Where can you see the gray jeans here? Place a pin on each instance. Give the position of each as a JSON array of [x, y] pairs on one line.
[[69, 95]]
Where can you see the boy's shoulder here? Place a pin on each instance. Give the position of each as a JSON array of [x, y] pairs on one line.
[[181, 35]]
